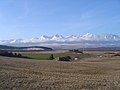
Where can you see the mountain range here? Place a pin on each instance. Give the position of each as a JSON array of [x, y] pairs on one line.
[[83, 40]]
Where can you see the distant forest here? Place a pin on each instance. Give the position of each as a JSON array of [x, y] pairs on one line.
[[13, 48]]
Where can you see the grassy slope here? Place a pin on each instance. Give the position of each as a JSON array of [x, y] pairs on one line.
[[88, 74]]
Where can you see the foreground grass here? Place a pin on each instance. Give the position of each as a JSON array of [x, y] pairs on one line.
[[87, 74]]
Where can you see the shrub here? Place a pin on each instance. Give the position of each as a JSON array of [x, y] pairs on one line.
[[19, 55], [51, 57]]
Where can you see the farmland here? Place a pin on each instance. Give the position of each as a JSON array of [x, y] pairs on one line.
[[45, 56], [88, 73]]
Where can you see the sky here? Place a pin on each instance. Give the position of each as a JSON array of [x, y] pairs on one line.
[[33, 18]]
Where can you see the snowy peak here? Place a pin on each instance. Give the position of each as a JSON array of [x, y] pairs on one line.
[[112, 37], [88, 36], [45, 37], [57, 37]]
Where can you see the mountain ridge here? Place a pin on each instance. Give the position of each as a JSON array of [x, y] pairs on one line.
[[88, 38]]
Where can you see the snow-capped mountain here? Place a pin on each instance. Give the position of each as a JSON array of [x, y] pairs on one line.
[[57, 38], [88, 36], [108, 39]]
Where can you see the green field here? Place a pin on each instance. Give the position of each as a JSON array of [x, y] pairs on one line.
[[45, 56]]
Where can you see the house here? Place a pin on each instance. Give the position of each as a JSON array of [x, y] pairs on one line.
[[66, 58], [116, 54], [76, 51], [5, 53], [75, 58]]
